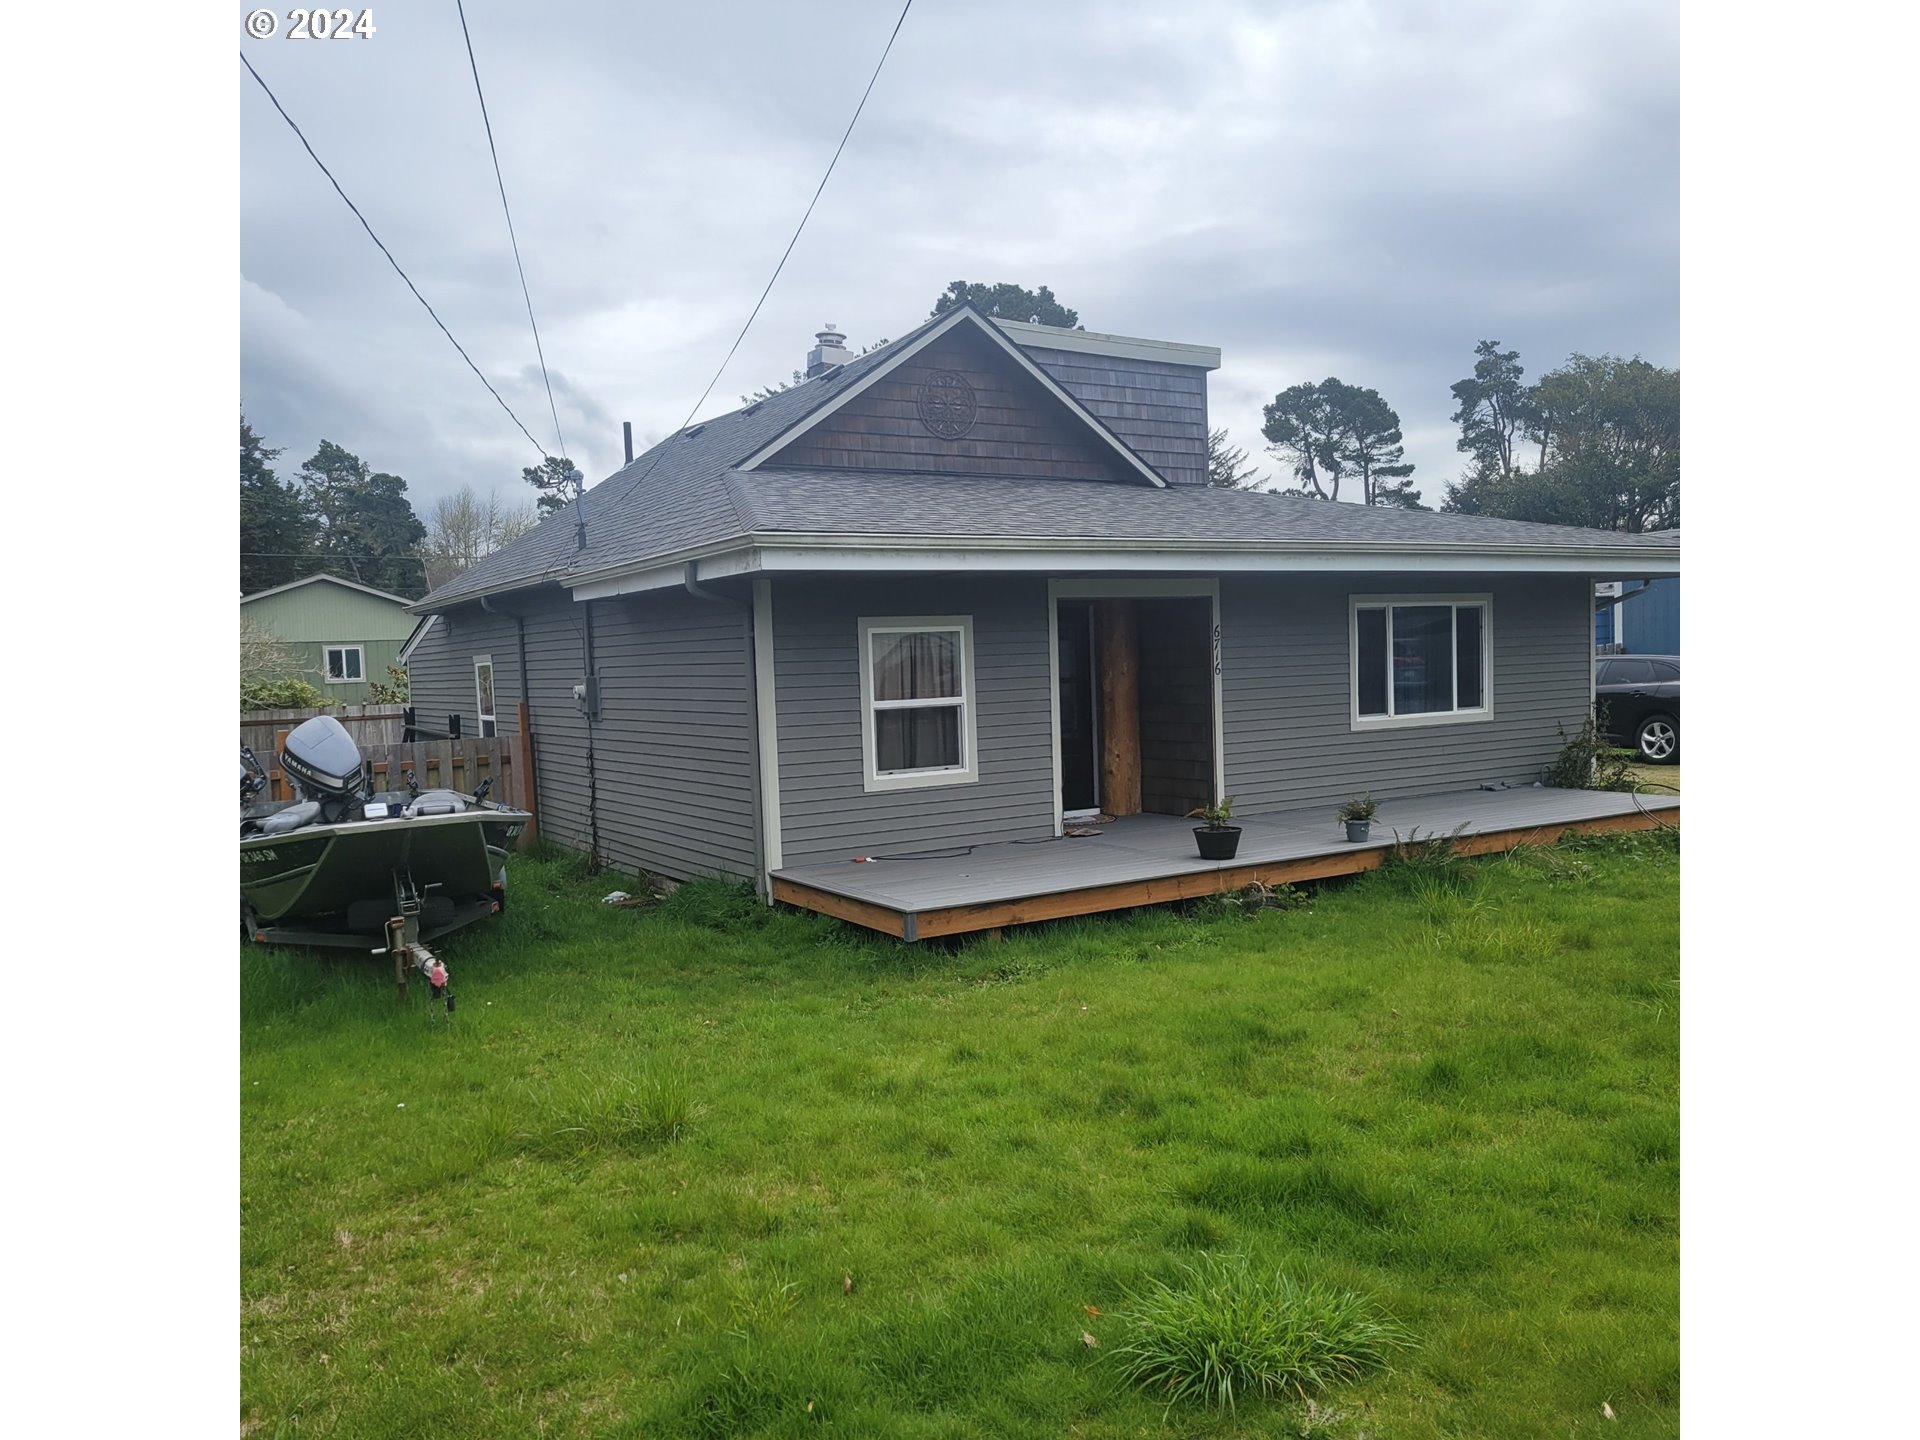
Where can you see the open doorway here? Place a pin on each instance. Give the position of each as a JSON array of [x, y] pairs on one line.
[[1135, 678], [1079, 711]]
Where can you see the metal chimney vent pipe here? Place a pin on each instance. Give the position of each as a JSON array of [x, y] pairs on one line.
[[829, 350]]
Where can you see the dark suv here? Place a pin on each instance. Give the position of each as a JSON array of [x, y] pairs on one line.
[[1638, 700]]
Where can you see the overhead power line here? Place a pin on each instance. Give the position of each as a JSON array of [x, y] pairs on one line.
[[389, 254], [818, 190], [474, 65]]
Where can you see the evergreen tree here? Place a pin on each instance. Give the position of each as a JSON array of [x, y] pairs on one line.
[[1008, 302], [1303, 428], [1332, 431], [1492, 407], [1370, 447], [276, 531], [1609, 436], [1227, 465], [368, 531], [553, 478]]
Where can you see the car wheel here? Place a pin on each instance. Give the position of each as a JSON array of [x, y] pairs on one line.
[[1659, 740]]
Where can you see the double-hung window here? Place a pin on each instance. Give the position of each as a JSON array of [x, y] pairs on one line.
[[1420, 659], [346, 664], [916, 702]]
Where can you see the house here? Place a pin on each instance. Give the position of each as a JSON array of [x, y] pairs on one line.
[[970, 588], [1637, 618], [342, 635]]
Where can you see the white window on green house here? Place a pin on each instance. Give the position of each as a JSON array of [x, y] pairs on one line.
[[916, 714], [346, 664], [483, 694], [1420, 659]]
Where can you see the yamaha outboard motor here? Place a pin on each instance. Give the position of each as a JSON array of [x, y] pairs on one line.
[[322, 757]]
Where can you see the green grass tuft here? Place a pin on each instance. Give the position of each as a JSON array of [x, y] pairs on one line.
[[605, 1116], [1228, 1330]]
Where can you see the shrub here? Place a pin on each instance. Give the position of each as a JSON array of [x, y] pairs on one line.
[[280, 695], [1226, 1329], [1587, 762], [394, 690]]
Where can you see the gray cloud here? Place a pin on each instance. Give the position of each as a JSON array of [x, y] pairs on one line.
[[1357, 189]]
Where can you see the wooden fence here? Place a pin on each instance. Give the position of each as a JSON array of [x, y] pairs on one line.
[[436, 764], [367, 724]]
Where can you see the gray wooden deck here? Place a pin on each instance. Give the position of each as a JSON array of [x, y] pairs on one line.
[[1152, 857]]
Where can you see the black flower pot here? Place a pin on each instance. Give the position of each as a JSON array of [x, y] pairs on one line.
[[1220, 844]]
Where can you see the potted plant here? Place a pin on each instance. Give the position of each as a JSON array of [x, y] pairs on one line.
[[1217, 839], [1358, 813]]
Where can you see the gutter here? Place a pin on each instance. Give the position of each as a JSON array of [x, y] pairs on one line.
[[754, 549], [438, 602], [1378, 556]]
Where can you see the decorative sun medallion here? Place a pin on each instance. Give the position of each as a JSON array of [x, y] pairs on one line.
[[947, 406]]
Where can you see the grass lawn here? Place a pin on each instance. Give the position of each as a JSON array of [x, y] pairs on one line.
[[622, 1192], [1658, 779]]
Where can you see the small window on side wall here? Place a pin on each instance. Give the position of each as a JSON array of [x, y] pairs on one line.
[[346, 664], [1420, 659], [916, 702], [483, 694]]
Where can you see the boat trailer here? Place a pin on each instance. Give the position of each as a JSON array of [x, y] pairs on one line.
[[409, 951]]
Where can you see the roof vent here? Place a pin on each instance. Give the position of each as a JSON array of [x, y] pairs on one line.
[[695, 430], [829, 349]]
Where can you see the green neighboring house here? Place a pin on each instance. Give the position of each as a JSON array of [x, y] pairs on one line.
[[343, 634]]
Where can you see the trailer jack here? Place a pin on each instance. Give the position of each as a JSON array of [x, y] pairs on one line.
[[409, 951]]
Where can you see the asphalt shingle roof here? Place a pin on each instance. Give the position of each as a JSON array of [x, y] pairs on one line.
[[867, 502], [672, 497], [686, 493]]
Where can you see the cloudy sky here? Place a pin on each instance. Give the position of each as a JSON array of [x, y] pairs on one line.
[[1347, 188]]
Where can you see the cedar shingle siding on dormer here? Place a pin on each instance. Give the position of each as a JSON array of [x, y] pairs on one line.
[[1018, 429], [1159, 409]]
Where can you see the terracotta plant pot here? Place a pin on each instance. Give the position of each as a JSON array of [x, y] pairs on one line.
[[1217, 844]]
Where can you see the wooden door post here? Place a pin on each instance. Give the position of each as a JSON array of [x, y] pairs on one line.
[[1119, 707]]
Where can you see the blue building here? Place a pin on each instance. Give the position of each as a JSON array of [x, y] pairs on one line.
[[1643, 620]]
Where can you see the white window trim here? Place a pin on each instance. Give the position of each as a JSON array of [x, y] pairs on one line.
[[343, 646], [481, 717], [1357, 721], [968, 770]]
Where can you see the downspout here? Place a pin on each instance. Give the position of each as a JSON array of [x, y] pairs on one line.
[[700, 592], [590, 711], [526, 695]]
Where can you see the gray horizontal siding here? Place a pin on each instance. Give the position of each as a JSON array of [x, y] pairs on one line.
[[826, 812], [1285, 690], [440, 670], [672, 779], [673, 750]]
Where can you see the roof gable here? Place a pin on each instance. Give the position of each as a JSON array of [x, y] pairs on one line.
[[957, 397], [334, 579]]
